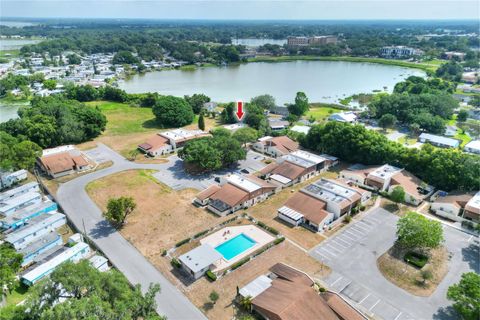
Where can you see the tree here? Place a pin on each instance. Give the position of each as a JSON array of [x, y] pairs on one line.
[[414, 128], [246, 303], [466, 296], [414, 231], [118, 209], [74, 59], [214, 296], [124, 57], [264, 101], [398, 194], [387, 121], [50, 84], [201, 122], [228, 114], [88, 294], [256, 118], [16, 154], [172, 111], [245, 135], [426, 275], [10, 262], [462, 115], [300, 107], [197, 101]]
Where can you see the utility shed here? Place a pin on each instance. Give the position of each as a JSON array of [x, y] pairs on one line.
[[197, 261]]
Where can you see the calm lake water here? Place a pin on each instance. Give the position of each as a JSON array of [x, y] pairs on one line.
[[322, 81], [13, 44], [258, 42], [9, 111]]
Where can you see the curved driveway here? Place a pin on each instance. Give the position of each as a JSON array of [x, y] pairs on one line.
[[86, 216]]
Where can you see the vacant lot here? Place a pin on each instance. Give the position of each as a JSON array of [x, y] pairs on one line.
[[226, 286], [129, 126], [162, 217], [321, 112], [409, 278]]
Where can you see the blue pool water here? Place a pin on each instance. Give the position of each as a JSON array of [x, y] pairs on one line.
[[233, 247]]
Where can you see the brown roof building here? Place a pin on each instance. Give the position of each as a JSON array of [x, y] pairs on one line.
[[275, 146], [458, 206], [57, 163], [287, 294]]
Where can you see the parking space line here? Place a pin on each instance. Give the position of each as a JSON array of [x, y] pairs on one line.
[[344, 241], [469, 238], [325, 257], [334, 248], [363, 228], [355, 234], [331, 285], [398, 316], [374, 305], [371, 218], [349, 237], [329, 252], [338, 244], [356, 228], [368, 295], [325, 252]]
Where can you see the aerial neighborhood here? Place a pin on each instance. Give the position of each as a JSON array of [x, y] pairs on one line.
[[144, 175]]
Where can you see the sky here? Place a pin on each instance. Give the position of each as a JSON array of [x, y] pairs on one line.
[[244, 9]]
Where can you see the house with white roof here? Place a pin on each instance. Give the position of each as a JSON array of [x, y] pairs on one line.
[[472, 147], [169, 141], [10, 205], [439, 141], [199, 260], [349, 117], [22, 216], [25, 188]]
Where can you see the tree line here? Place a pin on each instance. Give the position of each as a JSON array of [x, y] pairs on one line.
[[446, 169]]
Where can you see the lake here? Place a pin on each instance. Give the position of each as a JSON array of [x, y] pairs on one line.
[[258, 42], [9, 110], [322, 81], [13, 44]]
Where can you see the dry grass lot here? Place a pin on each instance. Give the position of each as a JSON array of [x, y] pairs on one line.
[[226, 286], [162, 217], [407, 277], [127, 126]]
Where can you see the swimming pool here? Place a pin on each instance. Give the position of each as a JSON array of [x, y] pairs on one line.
[[233, 247]]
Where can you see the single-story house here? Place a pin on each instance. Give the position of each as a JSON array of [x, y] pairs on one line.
[[301, 129], [203, 197], [36, 228], [386, 178], [25, 188], [277, 125], [321, 203], [169, 141], [38, 272], [22, 216], [11, 205], [458, 206], [197, 261], [237, 192], [275, 146], [280, 110], [39, 246], [7, 179], [295, 167], [287, 294], [62, 161], [439, 141], [472, 147], [349, 117]]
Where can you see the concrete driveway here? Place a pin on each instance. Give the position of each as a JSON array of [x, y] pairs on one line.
[[352, 255]]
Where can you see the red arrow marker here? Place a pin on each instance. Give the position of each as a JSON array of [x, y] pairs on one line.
[[240, 112]]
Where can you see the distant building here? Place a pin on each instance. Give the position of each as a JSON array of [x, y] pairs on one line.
[[473, 147], [450, 131], [169, 141], [278, 125], [454, 54], [311, 41], [439, 141], [280, 110], [234, 126], [300, 129], [349, 117], [210, 106], [398, 52]]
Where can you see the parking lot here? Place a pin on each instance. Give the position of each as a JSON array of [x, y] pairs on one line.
[[352, 255]]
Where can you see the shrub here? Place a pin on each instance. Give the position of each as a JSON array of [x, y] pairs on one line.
[[348, 219], [175, 263], [181, 243], [200, 234], [362, 207], [211, 276], [240, 263], [278, 240], [415, 259], [322, 289], [164, 253], [269, 229]]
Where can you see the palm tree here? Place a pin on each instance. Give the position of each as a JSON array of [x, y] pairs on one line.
[[246, 303]]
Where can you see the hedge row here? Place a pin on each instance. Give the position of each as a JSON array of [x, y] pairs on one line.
[[240, 263], [181, 243], [269, 229]]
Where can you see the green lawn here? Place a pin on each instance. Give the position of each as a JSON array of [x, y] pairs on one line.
[[429, 66], [321, 111], [462, 136], [18, 294], [407, 140], [124, 119]]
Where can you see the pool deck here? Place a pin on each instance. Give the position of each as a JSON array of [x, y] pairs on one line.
[[215, 239]]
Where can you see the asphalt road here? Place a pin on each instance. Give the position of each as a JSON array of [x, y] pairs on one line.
[[86, 216], [353, 253]]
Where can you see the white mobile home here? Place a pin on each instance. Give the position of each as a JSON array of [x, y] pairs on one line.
[[39, 246], [10, 178], [11, 205], [75, 253], [22, 216], [36, 228], [28, 187]]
